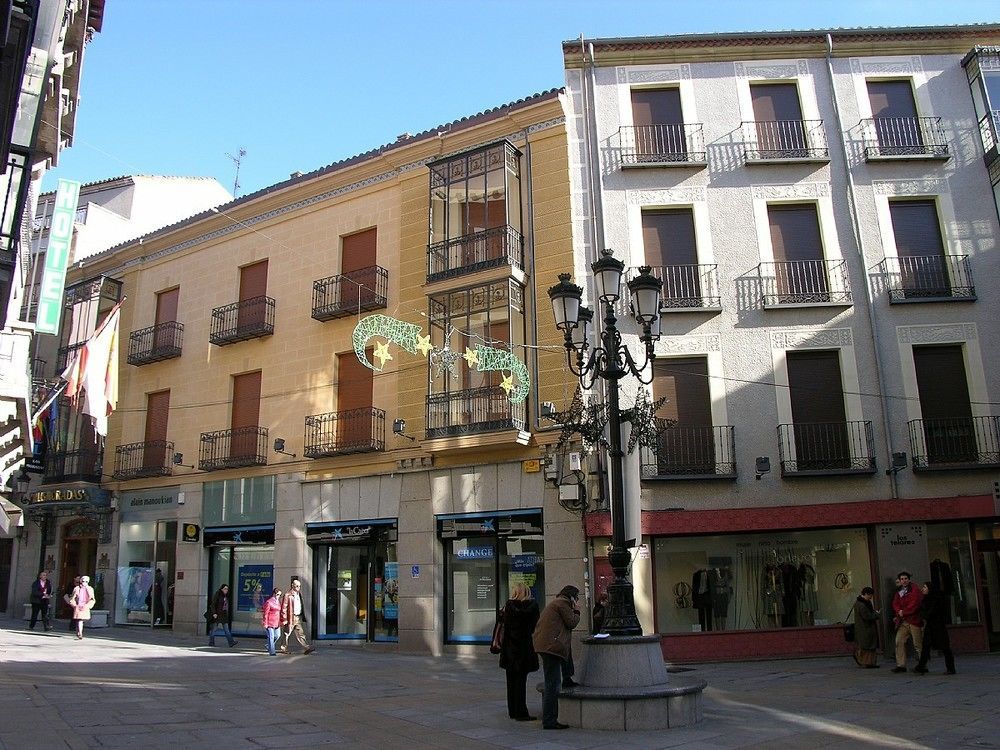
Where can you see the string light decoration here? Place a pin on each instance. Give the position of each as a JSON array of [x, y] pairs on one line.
[[646, 427]]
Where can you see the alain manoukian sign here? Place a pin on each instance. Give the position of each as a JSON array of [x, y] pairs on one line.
[[50, 297]]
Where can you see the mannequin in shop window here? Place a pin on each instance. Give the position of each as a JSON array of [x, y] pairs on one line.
[[808, 603], [790, 595], [720, 587], [701, 597], [772, 594]]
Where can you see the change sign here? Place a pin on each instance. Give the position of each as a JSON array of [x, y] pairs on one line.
[[50, 299]]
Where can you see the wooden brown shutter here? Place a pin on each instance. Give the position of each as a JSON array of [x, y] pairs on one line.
[[945, 405], [166, 306], [895, 115], [157, 413], [355, 386], [891, 99], [669, 244], [657, 107], [820, 422], [688, 447], [246, 414], [358, 254], [778, 117], [799, 269], [920, 248], [253, 285]]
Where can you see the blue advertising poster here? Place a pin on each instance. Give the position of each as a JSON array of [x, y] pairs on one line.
[[390, 592], [252, 582]]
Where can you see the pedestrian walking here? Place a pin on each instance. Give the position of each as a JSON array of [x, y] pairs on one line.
[[866, 629], [551, 639], [220, 616], [41, 597], [937, 614], [68, 598], [517, 655], [909, 624], [293, 615], [271, 619], [82, 600]]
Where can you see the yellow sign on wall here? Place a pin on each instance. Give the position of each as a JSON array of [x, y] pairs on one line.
[[531, 466]]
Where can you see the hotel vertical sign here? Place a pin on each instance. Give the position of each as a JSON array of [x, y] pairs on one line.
[[50, 299]]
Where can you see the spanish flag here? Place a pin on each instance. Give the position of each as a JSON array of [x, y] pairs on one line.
[[94, 373]]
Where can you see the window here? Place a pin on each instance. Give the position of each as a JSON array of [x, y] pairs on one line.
[[165, 336], [819, 430], [778, 120], [919, 249], [358, 267], [668, 240], [475, 212], [688, 445], [894, 112], [245, 415], [355, 384], [154, 452], [252, 313], [799, 273], [658, 125], [239, 501], [948, 428], [952, 569]]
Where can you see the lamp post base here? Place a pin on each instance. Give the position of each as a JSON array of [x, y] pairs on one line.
[[624, 686]]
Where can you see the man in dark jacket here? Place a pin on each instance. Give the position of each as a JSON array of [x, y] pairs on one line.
[[936, 611], [41, 596], [552, 639]]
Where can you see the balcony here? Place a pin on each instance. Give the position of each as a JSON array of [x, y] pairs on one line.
[[139, 460], [233, 449], [156, 343], [342, 433], [241, 321], [957, 443], [687, 287], [826, 448], [692, 453], [476, 410], [74, 466], [350, 293], [891, 138], [929, 278], [784, 142], [989, 129], [662, 145], [480, 251], [799, 283]]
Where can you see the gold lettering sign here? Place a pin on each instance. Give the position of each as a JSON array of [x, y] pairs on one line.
[[59, 496]]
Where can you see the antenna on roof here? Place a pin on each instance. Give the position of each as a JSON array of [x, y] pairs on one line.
[[238, 160]]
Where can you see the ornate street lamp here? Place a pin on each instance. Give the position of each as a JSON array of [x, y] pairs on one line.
[[611, 361]]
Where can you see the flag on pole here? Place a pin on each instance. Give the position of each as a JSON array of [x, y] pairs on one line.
[[94, 373]]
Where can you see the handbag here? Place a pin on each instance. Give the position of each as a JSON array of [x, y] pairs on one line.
[[496, 643], [849, 627]]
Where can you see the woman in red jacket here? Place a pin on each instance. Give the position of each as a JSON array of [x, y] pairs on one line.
[[271, 619]]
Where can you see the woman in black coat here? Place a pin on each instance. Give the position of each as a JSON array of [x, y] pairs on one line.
[[517, 655], [936, 612], [866, 629]]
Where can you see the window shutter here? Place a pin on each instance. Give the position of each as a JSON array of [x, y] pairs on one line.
[[915, 228], [668, 237], [891, 99], [253, 281], [657, 107], [775, 101], [166, 306], [815, 387], [157, 411], [941, 382], [246, 400], [684, 383], [795, 232]]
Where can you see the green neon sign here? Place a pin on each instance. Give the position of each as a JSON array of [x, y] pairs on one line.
[[50, 299]]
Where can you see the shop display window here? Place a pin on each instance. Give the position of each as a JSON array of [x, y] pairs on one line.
[[146, 554], [242, 501], [249, 571], [759, 581], [357, 591], [950, 556]]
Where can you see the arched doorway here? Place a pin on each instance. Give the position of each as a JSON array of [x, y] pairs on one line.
[[79, 556]]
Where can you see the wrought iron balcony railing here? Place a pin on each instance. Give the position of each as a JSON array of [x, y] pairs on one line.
[[958, 443], [233, 449], [687, 287], [82, 465], [928, 278], [692, 453], [156, 343], [826, 448], [350, 293], [341, 433], [150, 459], [904, 137], [805, 282], [768, 141], [662, 145], [240, 321], [484, 409], [490, 248]]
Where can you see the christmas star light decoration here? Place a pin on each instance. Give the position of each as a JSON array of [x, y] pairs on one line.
[[445, 360], [583, 419], [382, 353], [392, 330], [646, 427]]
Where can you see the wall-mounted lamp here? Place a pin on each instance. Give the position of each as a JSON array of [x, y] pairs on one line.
[[21, 530], [548, 410], [762, 466], [898, 464], [179, 461], [279, 447], [399, 428]]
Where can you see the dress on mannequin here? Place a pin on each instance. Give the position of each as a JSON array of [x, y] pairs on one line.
[[701, 598]]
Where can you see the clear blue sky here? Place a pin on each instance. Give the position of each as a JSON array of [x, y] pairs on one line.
[[172, 86]]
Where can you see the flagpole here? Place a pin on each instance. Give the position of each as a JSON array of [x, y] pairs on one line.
[[53, 397]]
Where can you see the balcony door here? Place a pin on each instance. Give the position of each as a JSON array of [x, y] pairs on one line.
[[164, 337], [670, 248], [253, 286], [799, 265], [778, 117], [357, 267], [479, 214], [659, 125], [819, 420], [355, 384], [246, 415], [894, 112], [154, 447], [945, 406], [919, 248], [687, 447]]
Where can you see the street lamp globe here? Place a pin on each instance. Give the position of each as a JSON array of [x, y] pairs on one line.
[[608, 272], [565, 298], [581, 334], [646, 292]]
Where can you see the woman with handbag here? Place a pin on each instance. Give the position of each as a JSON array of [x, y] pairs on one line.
[[82, 600], [517, 655], [866, 629]]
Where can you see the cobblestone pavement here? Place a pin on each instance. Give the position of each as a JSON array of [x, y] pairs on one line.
[[130, 687]]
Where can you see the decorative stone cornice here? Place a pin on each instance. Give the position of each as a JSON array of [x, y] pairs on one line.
[[811, 338], [697, 344], [920, 186], [792, 69], [880, 66], [667, 196], [664, 74], [804, 190], [945, 333]]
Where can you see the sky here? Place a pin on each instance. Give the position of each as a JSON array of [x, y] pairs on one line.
[[178, 87]]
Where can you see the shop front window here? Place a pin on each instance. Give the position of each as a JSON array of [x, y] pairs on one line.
[[759, 581], [951, 569], [249, 572], [484, 558], [242, 501], [147, 554]]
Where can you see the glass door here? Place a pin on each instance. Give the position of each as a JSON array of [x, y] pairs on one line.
[[249, 572], [989, 576], [344, 600], [385, 593]]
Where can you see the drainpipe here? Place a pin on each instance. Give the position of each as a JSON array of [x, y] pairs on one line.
[[852, 204], [532, 302]]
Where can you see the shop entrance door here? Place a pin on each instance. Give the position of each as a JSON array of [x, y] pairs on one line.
[[989, 581], [248, 570], [79, 558], [358, 591]]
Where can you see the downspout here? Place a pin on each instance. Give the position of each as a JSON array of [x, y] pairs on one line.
[[532, 290], [852, 205]]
